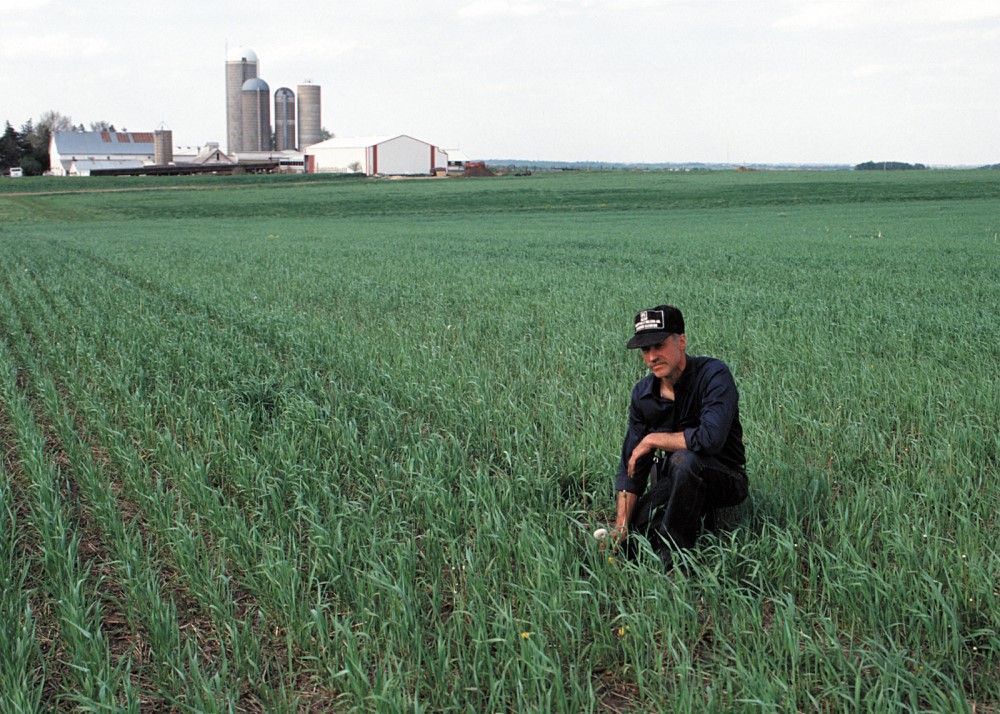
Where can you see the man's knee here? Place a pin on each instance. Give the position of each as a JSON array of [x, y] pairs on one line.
[[724, 486], [684, 462], [685, 470]]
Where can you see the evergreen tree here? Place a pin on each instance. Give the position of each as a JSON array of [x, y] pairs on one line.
[[10, 149]]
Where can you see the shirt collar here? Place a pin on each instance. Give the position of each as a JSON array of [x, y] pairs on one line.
[[650, 386]]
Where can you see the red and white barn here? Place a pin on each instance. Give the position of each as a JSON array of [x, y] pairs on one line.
[[399, 155]]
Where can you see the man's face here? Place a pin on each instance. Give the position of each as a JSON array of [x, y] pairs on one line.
[[666, 359]]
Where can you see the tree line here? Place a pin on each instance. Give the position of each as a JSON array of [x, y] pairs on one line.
[[889, 166], [28, 148]]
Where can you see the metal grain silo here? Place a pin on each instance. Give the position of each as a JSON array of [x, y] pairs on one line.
[[310, 120], [284, 119], [256, 108], [241, 65], [163, 147]]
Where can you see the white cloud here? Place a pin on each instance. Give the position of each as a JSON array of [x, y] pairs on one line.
[[22, 7], [818, 15], [872, 70], [319, 51], [494, 8], [55, 46], [962, 11], [852, 14]]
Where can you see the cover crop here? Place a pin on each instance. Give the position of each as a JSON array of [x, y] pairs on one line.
[[294, 445]]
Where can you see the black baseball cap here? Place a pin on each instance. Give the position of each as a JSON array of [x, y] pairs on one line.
[[653, 326]]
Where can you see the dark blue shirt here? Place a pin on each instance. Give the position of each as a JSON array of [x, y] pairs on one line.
[[705, 407]]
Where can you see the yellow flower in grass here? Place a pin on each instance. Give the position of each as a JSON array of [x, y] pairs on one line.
[[525, 635]]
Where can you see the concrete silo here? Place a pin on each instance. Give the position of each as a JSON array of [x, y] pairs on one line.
[[241, 65], [163, 147], [284, 119], [256, 108], [310, 119]]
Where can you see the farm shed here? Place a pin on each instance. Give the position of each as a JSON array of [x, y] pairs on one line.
[[84, 167], [376, 155], [210, 153]]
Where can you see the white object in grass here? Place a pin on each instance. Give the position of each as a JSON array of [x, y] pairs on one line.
[[600, 534]]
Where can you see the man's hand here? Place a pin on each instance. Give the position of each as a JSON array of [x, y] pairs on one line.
[[618, 534], [641, 449], [664, 441], [614, 538]]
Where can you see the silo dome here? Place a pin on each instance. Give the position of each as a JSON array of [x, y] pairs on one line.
[[241, 54], [241, 65], [256, 115], [256, 85]]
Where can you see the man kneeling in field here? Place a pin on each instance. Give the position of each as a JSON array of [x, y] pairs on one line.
[[684, 426]]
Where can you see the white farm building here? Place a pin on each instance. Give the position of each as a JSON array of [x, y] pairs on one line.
[[77, 153], [84, 153], [399, 155]]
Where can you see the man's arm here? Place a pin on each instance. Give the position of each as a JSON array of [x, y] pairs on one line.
[[626, 504], [664, 441], [627, 499], [631, 478], [719, 406]]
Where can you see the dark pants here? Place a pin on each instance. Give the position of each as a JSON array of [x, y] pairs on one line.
[[686, 490]]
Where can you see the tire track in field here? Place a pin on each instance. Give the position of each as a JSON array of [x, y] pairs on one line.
[[40, 618], [184, 304], [144, 189], [250, 336], [48, 629], [94, 545], [193, 625], [178, 309], [199, 625], [175, 308], [94, 559]]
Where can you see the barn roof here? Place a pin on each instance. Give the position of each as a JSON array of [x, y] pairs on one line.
[[357, 142], [103, 143]]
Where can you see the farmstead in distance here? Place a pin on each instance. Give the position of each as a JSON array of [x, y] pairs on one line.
[[294, 143]]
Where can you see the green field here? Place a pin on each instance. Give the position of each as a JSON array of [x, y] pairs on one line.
[[293, 444]]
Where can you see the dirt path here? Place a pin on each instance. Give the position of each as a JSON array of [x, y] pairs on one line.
[[13, 194]]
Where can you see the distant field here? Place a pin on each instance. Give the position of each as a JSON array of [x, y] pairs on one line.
[[291, 444]]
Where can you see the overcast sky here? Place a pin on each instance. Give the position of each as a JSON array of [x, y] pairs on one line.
[[742, 81]]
